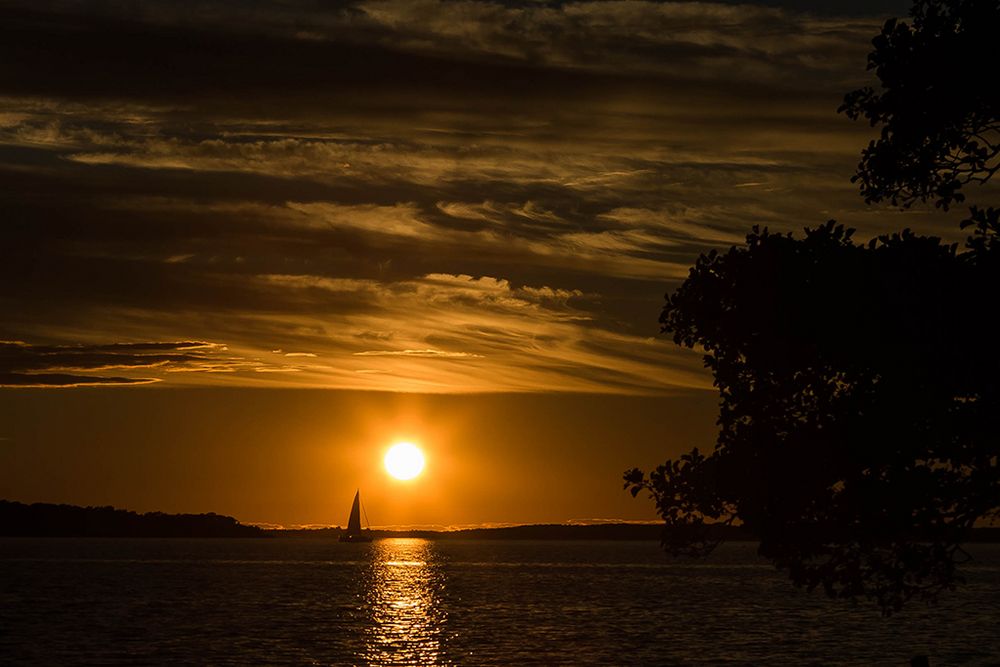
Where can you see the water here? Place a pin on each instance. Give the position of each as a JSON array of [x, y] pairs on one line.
[[417, 602]]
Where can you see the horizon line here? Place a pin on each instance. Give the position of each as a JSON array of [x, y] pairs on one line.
[[448, 528]]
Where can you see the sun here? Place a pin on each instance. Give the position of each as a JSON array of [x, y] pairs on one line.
[[404, 460]]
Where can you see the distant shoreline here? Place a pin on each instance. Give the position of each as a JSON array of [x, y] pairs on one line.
[[51, 520], [60, 520], [549, 531], [568, 532]]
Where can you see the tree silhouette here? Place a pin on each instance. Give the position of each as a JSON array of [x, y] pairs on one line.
[[938, 107], [859, 398], [858, 421]]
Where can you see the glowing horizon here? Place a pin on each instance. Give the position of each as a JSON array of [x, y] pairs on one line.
[[272, 456]]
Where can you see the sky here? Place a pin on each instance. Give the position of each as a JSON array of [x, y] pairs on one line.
[[245, 245]]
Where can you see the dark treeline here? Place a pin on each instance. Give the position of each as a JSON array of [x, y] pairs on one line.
[[47, 520]]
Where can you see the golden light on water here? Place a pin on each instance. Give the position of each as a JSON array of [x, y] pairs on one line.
[[404, 600], [404, 461]]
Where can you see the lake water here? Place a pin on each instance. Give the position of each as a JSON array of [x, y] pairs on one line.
[[417, 602]]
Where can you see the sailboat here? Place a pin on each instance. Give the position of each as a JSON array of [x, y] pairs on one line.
[[354, 532]]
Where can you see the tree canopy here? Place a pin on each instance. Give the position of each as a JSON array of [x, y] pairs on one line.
[[938, 106], [858, 419]]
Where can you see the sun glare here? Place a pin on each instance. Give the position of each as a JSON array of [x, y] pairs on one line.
[[404, 460]]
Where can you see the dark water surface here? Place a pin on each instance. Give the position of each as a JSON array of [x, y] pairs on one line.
[[416, 602]]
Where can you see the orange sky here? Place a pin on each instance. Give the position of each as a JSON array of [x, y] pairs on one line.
[[296, 456]]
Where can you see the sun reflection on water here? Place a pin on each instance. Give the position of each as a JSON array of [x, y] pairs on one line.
[[403, 598]]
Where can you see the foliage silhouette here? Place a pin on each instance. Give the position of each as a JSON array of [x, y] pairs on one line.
[[938, 107], [858, 422], [859, 402]]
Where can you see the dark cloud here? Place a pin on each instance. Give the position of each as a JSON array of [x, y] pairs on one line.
[[512, 183], [299, 61], [24, 365], [56, 380], [880, 8]]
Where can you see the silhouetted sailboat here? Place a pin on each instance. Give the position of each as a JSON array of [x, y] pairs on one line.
[[354, 532]]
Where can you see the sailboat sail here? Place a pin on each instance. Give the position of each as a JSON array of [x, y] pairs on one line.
[[354, 532], [354, 522]]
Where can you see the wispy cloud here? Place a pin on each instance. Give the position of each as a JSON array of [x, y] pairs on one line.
[[444, 196], [26, 365], [426, 354]]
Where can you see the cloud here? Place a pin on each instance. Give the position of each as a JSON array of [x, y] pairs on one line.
[[461, 333], [507, 337], [426, 354], [382, 184], [565, 34], [26, 365], [64, 380]]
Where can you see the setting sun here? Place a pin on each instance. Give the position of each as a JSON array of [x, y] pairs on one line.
[[404, 460]]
